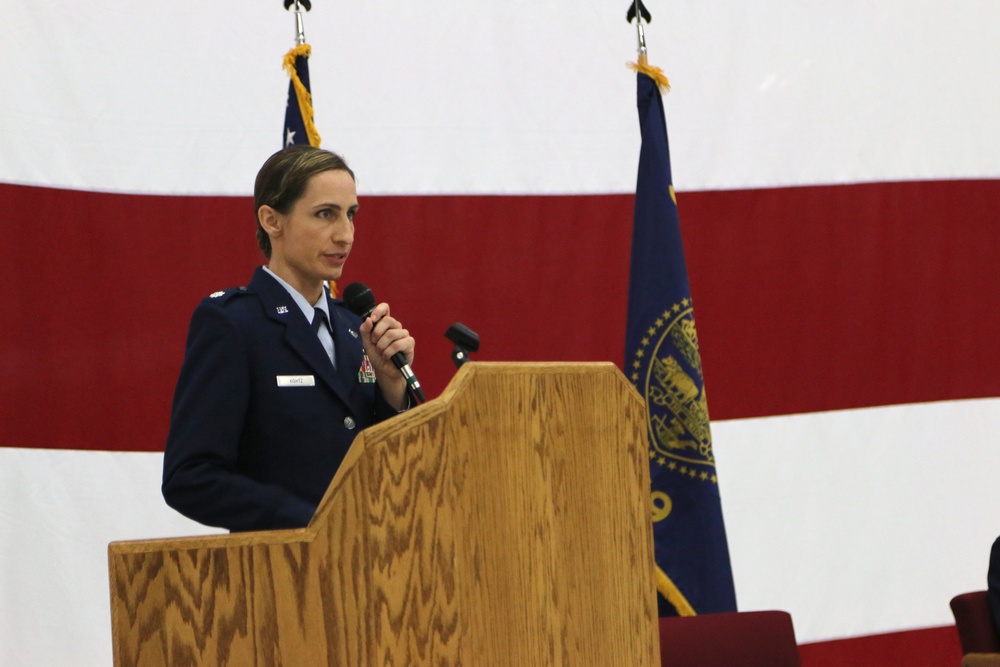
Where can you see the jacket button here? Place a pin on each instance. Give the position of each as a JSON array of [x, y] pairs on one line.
[[349, 422]]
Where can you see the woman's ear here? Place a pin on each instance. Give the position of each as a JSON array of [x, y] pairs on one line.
[[270, 220]]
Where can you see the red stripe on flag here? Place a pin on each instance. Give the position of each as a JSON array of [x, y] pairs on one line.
[[834, 297], [98, 291], [806, 298], [928, 647]]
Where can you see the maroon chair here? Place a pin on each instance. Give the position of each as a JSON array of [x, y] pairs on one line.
[[743, 639], [977, 632]]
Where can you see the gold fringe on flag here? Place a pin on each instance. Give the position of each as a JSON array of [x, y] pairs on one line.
[[654, 73], [303, 95], [669, 590]]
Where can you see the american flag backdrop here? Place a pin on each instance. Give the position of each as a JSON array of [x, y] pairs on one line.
[[837, 170]]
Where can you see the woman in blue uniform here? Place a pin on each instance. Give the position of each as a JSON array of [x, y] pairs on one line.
[[278, 377]]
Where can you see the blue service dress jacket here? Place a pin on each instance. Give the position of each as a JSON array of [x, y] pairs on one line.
[[993, 583], [260, 419]]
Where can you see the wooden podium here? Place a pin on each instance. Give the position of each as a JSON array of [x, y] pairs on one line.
[[505, 523]]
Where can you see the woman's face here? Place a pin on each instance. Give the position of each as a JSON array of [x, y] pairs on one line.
[[311, 243]]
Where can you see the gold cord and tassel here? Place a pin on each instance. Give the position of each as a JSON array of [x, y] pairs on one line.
[[654, 73], [669, 590]]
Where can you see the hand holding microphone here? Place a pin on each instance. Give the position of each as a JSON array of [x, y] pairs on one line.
[[385, 333]]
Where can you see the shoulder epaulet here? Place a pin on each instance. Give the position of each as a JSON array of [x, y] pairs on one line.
[[227, 294]]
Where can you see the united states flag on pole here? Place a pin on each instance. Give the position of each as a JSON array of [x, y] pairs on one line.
[[299, 125]]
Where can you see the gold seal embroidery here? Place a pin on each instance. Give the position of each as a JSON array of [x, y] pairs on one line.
[[667, 370]]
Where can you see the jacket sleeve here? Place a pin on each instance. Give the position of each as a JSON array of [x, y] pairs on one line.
[[200, 471], [993, 583]]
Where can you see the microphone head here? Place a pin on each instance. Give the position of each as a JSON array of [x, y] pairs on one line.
[[463, 337], [359, 299]]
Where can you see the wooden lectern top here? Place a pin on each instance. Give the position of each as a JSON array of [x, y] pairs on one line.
[[504, 523]]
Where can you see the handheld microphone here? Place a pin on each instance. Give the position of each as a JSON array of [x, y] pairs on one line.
[[361, 302]]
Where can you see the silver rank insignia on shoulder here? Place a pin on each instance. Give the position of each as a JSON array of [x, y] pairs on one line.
[[216, 295], [282, 310], [366, 374]]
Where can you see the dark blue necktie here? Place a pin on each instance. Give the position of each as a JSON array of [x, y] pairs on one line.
[[319, 319]]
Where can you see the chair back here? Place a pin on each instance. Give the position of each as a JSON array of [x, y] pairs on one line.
[[746, 639], [977, 633]]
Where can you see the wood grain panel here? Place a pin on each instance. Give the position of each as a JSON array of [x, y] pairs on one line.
[[505, 523]]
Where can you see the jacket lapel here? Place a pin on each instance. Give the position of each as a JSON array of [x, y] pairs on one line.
[[299, 336], [346, 343]]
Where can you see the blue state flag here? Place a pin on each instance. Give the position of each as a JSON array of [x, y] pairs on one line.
[[299, 125], [663, 361]]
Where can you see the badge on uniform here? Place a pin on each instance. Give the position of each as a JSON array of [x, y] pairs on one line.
[[295, 380], [366, 374]]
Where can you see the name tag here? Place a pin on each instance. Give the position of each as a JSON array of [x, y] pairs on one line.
[[296, 381]]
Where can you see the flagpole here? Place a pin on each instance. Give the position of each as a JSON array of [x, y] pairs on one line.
[[300, 31], [638, 11], [643, 60]]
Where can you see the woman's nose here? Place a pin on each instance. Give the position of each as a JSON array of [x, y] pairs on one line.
[[343, 231]]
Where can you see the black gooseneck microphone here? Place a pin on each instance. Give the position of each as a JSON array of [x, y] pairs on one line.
[[361, 302]]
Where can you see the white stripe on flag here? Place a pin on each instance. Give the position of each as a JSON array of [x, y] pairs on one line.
[[765, 94], [861, 521], [59, 509]]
